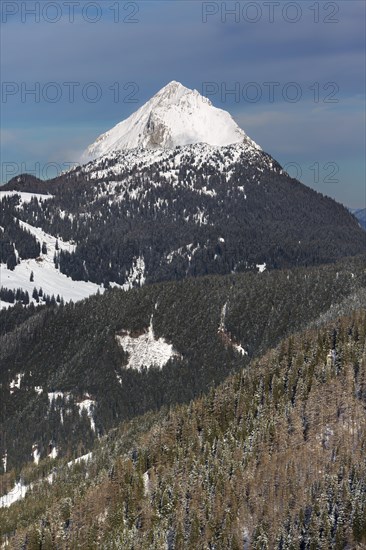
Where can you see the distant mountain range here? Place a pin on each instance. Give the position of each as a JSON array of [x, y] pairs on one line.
[[360, 214]]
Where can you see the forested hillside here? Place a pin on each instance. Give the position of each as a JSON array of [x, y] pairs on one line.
[[69, 373], [274, 458], [149, 216]]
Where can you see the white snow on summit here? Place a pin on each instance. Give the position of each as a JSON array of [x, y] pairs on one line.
[[175, 116]]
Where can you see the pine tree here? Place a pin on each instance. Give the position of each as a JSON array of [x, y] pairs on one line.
[[11, 262]]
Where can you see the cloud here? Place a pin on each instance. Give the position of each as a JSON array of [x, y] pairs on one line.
[[304, 128], [322, 146]]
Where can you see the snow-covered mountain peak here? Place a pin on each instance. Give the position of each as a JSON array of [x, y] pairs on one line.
[[175, 116], [173, 92]]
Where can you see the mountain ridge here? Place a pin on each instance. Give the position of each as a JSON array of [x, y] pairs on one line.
[[189, 211], [59, 364], [287, 434], [143, 215], [174, 116]]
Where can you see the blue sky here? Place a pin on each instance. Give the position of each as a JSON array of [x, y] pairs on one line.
[[310, 55]]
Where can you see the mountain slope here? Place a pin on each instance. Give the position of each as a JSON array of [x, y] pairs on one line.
[[34, 269], [70, 373], [175, 116], [190, 211], [272, 459], [181, 191]]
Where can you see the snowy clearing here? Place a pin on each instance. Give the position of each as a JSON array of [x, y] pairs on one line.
[[261, 267], [145, 350], [45, 274], [24, 196]]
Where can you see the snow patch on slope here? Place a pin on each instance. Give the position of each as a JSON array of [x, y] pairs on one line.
[[136, 274], [15, 383], [145, 350], [87, 405], [45, 273], [54, 395], [240, 349], [226, 337], [5, 460], [83, 458], [36, 454], [24, 196], [54, 452], [146, 481], [18, 492]]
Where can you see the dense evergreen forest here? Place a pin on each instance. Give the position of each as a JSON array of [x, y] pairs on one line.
[[192, 211], [15, 242], [274, 458], [72, 350]]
